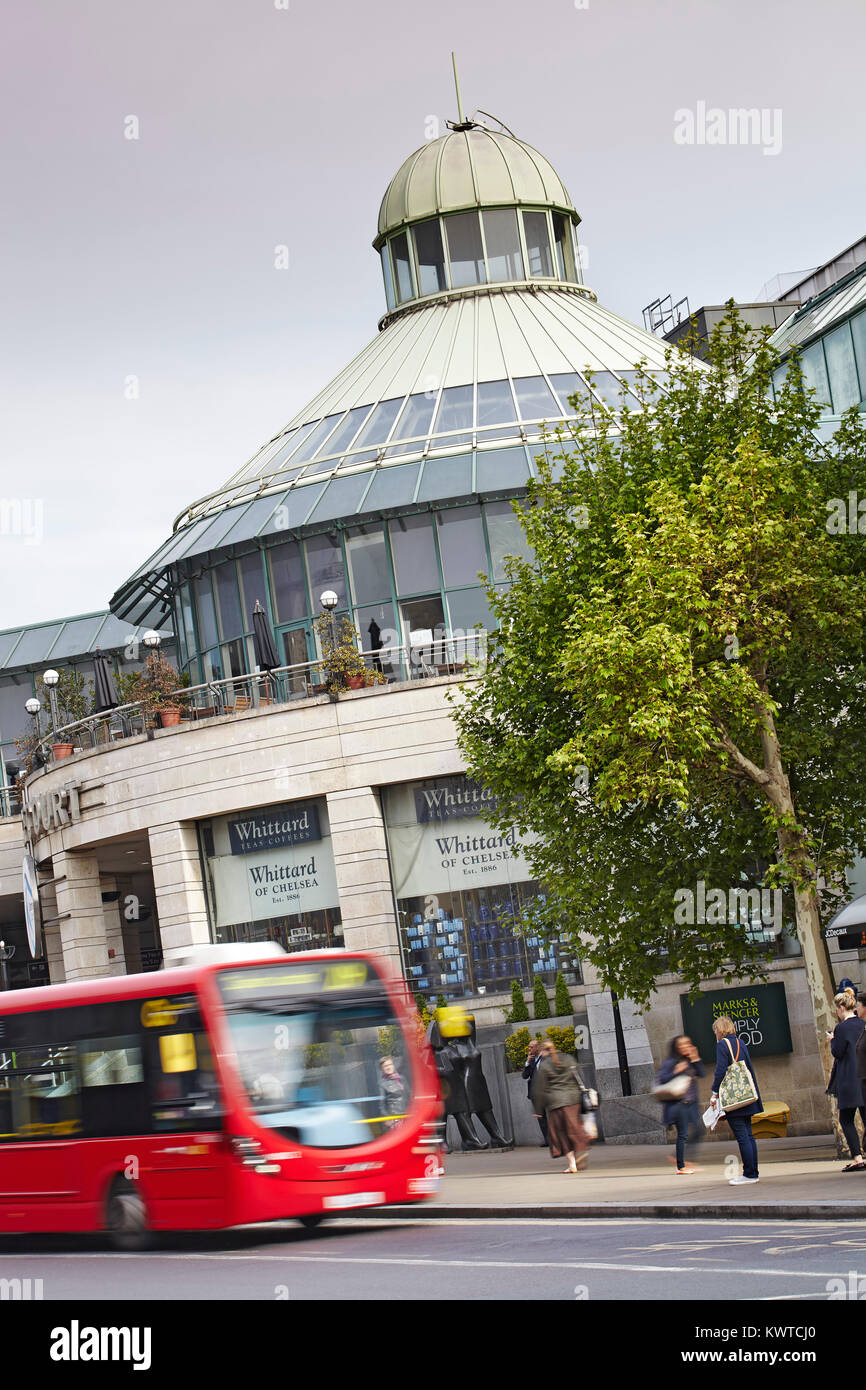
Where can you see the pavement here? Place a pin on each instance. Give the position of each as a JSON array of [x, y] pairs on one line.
[[800, 1179]]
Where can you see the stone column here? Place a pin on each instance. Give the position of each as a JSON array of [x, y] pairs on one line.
[[626, 1119], [181, 902], [363, 877], [113, 929], [83, 942], [51, 932]]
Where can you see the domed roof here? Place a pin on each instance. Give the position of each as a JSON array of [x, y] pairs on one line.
[[470, 168]]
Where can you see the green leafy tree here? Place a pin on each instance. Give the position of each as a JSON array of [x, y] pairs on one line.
[[678, 689], [518, 1013], [561, 997], [540, 1001]]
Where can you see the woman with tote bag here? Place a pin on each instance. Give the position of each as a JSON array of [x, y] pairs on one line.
[[735, 1079]]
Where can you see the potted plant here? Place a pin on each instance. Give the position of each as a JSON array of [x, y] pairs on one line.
[[344, 666], [73, 701], [155, 688]]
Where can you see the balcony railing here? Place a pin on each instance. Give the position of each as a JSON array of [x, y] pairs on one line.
[[240, 694], [10, 801]]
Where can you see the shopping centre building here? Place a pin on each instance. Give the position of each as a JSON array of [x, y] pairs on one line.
[[274, 811]]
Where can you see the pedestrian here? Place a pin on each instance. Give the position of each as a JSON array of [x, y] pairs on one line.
[[557, 1094], [533, 1062], [730, 1048], [683, 1060], [845, 1084], [392, 1092], [861, 1041]]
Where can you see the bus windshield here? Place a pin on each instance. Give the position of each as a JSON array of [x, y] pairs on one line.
[[325, 1066]]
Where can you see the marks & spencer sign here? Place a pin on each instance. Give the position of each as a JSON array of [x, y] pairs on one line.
[[759, 1014]]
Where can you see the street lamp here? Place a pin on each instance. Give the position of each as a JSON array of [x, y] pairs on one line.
[[329, 601], [49, 680], [151, 639]]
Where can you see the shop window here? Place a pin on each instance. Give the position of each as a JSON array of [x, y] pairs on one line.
[[252, 586], [207, 624], [378, 633], [468, 609]]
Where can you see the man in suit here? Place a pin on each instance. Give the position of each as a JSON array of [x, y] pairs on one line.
[[533, 1061]]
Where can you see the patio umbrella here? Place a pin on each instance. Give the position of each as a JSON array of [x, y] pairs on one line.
[[104, 693], [263, 641]]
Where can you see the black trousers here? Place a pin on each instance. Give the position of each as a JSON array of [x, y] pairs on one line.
[[849, 1129]]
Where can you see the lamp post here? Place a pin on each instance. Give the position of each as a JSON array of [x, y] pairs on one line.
[[33, 706], [329, 601], [49, 680], [6, 953]]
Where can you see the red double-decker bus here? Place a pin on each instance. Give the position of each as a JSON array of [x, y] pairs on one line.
[[240, 1087]]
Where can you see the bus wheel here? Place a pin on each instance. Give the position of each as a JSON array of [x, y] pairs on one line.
[[314, 1219], [126, 1216]]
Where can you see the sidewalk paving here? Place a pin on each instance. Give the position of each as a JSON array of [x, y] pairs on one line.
[[801, 1179]]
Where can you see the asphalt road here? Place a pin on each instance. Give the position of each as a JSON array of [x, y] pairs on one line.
[[357, 1259]]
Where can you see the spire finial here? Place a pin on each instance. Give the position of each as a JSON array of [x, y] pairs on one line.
[[460, 116]]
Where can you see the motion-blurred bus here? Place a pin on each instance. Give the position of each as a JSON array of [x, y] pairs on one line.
[[240, 1086]]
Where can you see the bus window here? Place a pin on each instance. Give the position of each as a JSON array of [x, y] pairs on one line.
[[329, 1074], [39, 1093], [113, 1094], [183, 1080]]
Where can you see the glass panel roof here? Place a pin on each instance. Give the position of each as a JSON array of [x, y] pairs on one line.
[[77, 637], [446, 477], [36, 643], [341, 497], [497, 469], [392, 487], [534, 398]]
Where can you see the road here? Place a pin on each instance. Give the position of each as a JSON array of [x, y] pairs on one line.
[[358, 1259]]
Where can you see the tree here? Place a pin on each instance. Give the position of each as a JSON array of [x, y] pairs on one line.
[[561, 997], [677, 694], [518, 1013], [540, 1001]]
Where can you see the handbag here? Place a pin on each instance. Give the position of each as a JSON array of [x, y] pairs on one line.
[[675, 1089], [588, 1096], [737, 1087]]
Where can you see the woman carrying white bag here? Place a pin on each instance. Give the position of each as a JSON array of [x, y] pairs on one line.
[[677, 1089], [735, 1087]]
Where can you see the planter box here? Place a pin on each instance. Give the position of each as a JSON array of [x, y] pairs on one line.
[[61, 750]]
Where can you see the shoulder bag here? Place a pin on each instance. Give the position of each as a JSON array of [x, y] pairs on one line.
[[588, 1097], [737, 1087], [676, 1088]]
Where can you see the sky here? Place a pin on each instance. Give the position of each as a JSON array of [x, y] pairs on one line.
[[154, 156]]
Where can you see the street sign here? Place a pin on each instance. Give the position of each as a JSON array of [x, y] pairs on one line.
[[31, 904]]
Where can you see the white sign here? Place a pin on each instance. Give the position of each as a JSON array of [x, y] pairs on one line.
[[445, 856], [31, 904], [281, 883]]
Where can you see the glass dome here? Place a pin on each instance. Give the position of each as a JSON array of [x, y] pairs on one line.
[[474, 208]]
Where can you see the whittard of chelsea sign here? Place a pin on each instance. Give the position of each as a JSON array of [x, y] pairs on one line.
[[275, 828], [458, 798]]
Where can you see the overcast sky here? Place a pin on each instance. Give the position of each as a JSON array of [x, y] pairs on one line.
[[147, 265]]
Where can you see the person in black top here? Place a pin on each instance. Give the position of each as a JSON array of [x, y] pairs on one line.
[[533, 1061], [845, 1083], [683, 1059]]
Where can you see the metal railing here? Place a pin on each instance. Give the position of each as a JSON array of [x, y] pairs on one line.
[[422, 660], [10, 801]]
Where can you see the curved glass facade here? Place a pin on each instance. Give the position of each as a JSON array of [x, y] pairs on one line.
[[393, 577], [479, 247]]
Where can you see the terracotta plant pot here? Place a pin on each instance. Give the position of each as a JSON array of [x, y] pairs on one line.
[[61, 750], [354, 682], [170, 716]]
